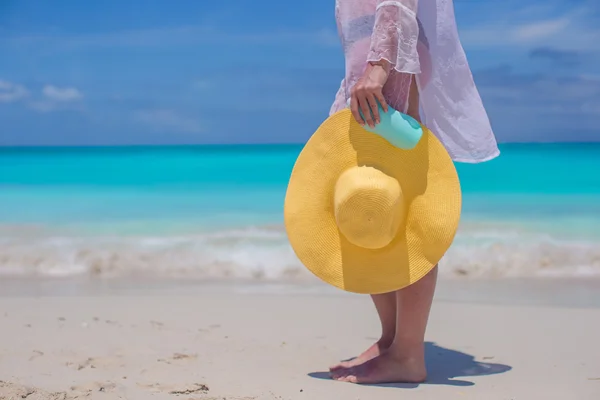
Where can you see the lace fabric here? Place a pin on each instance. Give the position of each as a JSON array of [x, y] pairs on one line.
[[421, 39], [395, 35]]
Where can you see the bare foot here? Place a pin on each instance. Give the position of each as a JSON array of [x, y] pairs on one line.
[[375, 350], [385, 368]]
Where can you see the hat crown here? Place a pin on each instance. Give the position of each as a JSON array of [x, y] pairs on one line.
[[368, 207]]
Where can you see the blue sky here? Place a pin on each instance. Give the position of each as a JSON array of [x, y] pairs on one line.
[[78, 72]]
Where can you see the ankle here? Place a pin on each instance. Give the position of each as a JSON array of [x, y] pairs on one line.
[[407, 350], [385, 341]]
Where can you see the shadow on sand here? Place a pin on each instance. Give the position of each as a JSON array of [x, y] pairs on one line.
[[443, 366]]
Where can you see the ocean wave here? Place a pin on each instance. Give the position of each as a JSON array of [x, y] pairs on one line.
[[263, 253]]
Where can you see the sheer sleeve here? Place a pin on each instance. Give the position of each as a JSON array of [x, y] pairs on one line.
[[395, 35]]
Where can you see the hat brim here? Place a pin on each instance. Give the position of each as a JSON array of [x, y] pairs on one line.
[[432, 207]]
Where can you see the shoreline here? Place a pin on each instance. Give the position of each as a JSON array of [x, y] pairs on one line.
[[481, 251], [543, 292]]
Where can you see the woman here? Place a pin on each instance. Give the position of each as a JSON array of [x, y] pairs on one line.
[[408, 55]]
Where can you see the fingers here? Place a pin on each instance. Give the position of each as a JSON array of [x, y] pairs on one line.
[[366, 100], [364, 107], [374, 107], [354, 109], [379, 96]]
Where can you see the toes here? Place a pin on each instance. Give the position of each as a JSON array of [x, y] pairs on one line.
[[339, 366], [340, 374], [337, 375]]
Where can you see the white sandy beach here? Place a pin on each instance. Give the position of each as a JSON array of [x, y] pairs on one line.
[[223, 342]]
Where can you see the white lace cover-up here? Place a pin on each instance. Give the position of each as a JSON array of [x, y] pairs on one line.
[[418, 38]]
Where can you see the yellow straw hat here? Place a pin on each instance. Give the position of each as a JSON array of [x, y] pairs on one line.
[[372, 210]]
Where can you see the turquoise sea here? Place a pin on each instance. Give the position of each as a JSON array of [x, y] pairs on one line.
[[203, 212]]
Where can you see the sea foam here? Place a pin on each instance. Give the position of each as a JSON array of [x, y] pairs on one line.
[[481, 250]]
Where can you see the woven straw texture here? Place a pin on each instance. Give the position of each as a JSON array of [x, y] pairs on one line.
[[431, 207]]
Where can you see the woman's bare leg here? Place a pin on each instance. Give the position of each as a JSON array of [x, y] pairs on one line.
[[402, 360], [386, 309], [385, 303]]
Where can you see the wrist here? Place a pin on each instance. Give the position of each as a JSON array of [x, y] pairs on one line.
[[384, 64]]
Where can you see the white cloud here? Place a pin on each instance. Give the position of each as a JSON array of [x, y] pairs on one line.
[[61, 94], [168, 119], [540, 29], [11, 92], [54, 98], [574, 29], [541, 107]]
